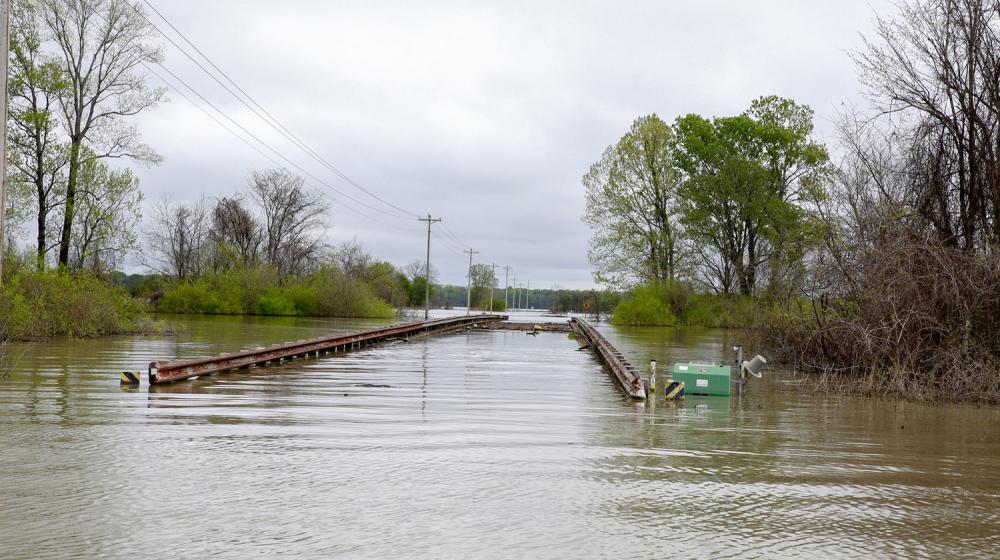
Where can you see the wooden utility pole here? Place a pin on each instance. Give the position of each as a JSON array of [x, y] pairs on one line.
[[427, 268], [468, 291], [493, 280], [506, 284], [4, 50]]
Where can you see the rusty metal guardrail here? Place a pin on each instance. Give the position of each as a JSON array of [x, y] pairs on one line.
[[625, 373], [177, 370]]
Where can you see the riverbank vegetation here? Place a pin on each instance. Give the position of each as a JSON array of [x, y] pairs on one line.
[[74, 85], [876, 268], [262, 253], [36, 305], [77, 80]]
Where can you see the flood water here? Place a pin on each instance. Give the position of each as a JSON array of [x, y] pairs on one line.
[[471, 445]]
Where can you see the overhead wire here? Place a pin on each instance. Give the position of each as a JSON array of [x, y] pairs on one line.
[[256, 148], [454, 237], [255, 106], [244, 129], [261, 142], [449, 239]]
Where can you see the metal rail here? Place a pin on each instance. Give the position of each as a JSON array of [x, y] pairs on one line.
[[177, 370], [625, 373]]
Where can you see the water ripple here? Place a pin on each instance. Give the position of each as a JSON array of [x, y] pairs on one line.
[[486, 445]]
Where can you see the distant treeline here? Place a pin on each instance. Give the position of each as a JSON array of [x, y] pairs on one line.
[[553, 300]]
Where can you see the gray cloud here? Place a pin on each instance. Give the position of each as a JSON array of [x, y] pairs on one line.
[[486, 114]]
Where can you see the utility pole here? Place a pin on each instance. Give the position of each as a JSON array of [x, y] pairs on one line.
[[4, 46], [468, 291], [493, 280], [513, 297], [527, 296], [506, 284], [427, 269]]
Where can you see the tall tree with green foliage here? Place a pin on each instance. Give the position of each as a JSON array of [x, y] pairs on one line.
[[483, 278], [37, 158], [742, 181], [101, 46], [631, 207]]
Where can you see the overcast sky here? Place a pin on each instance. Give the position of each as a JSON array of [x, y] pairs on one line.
[[483, 114]]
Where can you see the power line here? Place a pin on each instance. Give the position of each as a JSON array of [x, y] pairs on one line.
[[453, 236], [251, 145], [265, 144], [449, 244], [452, 243], [256, 107]]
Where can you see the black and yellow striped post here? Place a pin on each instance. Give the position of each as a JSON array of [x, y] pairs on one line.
[[130, 377], [673, 390]]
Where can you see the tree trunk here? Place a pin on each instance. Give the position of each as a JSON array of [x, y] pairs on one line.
[[67, 229], [43, 212], [42, 217]]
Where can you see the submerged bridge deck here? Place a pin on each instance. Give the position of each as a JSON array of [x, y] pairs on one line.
[[177, 370], [161, 372]]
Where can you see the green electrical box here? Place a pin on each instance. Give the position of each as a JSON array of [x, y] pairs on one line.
[[703, 379]]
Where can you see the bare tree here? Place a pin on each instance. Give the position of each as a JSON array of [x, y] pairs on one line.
[[294, 220], [352, 259], [236, 230], [939, 64], [418, 269], [101, 44], [178, 238]]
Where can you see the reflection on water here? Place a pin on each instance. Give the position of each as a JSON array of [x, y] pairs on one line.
[[481, 444]]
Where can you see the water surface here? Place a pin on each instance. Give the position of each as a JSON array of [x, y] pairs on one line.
[[481, 444]]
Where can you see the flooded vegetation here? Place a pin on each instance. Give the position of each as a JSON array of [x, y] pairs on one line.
[[485, 444]]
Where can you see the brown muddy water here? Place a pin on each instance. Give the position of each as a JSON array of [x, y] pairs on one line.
[[472, 445]]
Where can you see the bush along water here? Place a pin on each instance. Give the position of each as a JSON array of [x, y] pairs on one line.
[[327, 292], [677, 303], [49, 303]]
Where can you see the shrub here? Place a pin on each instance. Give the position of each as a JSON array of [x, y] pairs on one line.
[[40, 304], [912, 317], [259, 291], [647, 306], [201, 297], [725, 312], [276, 304]]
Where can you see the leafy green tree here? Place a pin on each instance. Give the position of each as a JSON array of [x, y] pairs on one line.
[[743, 180], [631, 207], [418, 291], [109, 206], [37, 159], [101, 44], [482, 279]]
